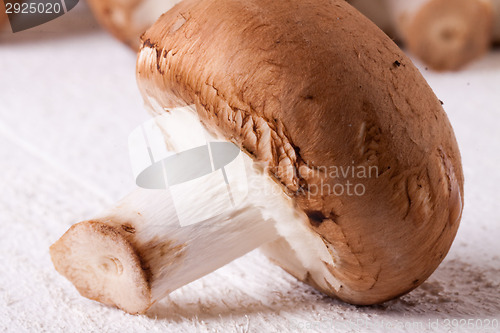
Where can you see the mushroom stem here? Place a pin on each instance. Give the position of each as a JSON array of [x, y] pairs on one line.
[[139, 248], [145, 225], [445, 34], [175, 255], [148, 245]]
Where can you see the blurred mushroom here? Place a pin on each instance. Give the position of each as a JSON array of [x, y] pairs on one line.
[[444, 34], [306, 88], [127, 20]]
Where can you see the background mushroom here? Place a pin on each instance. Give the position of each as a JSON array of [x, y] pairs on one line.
[[3, 15], [128, 19], [444, 34], [289, 86]]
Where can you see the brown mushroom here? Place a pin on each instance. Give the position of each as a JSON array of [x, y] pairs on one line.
[[127, 20], [307, 89]]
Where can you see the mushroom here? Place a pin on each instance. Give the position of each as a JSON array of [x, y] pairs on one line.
[[444, 34], [128, 19], [317, 98]]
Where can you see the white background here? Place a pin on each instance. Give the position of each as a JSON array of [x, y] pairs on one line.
[[68, 100]]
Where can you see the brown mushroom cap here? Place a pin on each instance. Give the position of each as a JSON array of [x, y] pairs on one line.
[[306, 84]]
